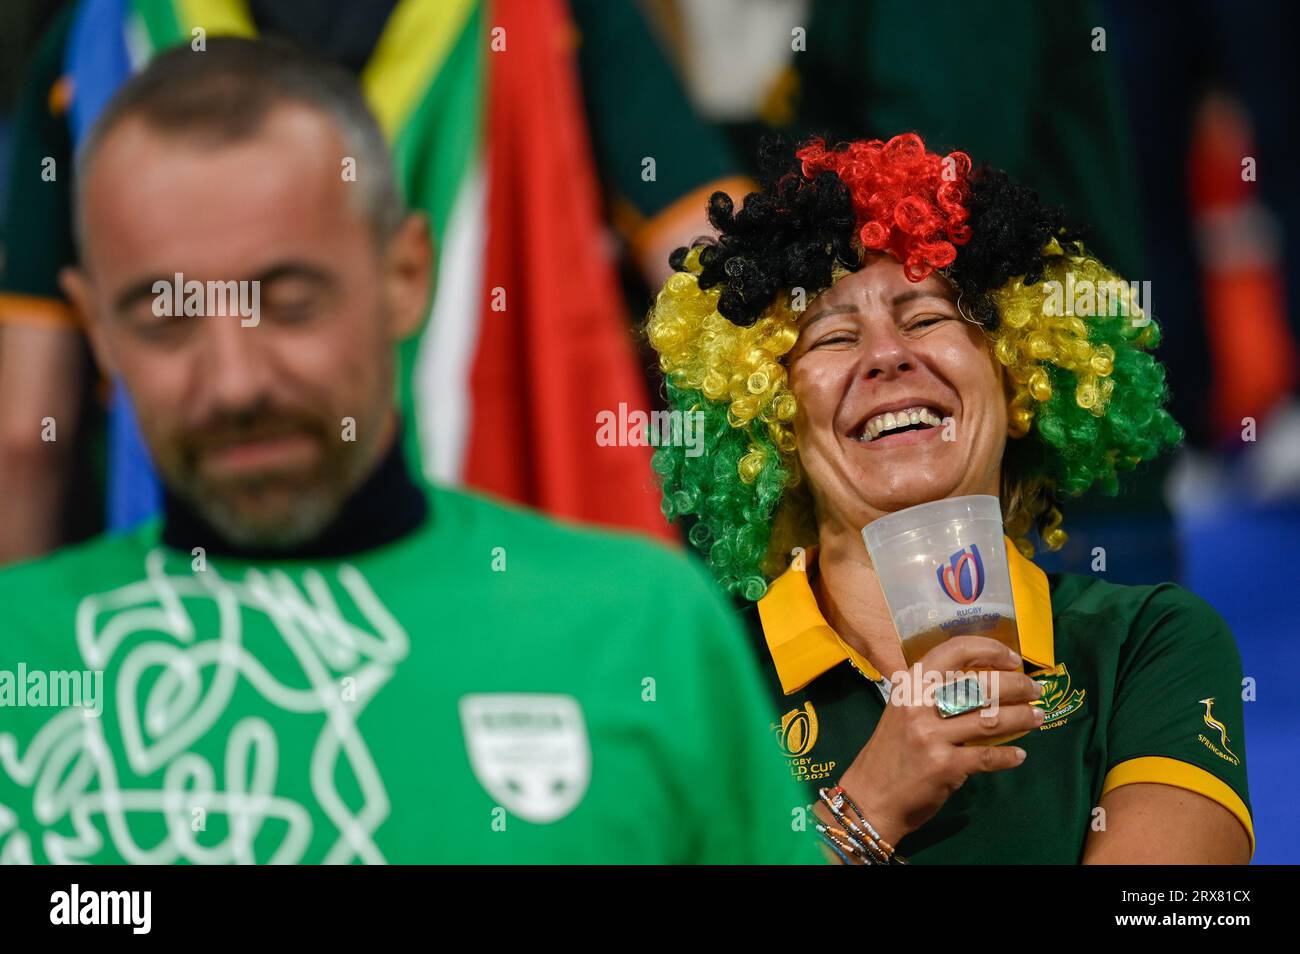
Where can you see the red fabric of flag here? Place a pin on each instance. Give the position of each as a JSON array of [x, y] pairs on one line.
[[554, 348]]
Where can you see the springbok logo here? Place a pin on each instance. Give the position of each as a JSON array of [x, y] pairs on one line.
[[1219, 727], [962, 577], [1059, 698]]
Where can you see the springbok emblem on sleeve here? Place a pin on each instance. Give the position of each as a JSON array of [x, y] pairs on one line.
[[1214, 723]]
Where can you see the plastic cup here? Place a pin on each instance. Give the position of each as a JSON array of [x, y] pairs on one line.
[[943, 568]]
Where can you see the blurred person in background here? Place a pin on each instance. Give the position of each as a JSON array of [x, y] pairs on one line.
[[1211, 88], [45, 368], [310, 657], [520, 128]]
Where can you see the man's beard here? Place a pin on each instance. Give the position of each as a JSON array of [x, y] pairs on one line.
[[302, 501]]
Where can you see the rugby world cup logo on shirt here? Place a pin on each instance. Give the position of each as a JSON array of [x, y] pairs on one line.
[[962, 577], [797, 733]]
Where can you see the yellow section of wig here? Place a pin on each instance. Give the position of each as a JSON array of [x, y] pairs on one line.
[[1032, 334], [1038, 328], [739, 367]]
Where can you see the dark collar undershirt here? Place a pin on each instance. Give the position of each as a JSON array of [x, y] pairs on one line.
[[386, 507]]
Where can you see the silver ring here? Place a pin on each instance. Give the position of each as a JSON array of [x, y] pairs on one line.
[[959, 696]]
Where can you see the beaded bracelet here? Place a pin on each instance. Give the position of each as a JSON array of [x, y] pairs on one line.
[[840, 844], [877, 850], [853, 844], [838, 792], [834, 800]]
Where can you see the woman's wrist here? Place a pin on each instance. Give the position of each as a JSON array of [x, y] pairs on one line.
[[849, 834], [873, 806]]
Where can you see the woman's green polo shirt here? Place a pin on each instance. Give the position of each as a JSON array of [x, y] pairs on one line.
[[1143, 685]]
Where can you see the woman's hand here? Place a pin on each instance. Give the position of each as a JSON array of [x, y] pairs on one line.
[[915, 759]]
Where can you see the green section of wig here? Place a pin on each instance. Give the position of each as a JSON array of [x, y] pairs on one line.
[[734, 517], [1073, 447]]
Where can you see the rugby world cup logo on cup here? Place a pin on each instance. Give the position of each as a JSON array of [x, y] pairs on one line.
[[962, 577]]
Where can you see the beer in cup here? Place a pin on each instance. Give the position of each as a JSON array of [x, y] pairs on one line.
[[943, 568]]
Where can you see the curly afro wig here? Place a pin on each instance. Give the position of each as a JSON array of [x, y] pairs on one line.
[[1086, 396]]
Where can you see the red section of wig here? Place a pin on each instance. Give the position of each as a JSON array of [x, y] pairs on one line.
[[909, 202]]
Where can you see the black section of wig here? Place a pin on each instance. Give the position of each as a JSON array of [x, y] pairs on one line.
[[792, 231], [1009, 228], [787, 235]]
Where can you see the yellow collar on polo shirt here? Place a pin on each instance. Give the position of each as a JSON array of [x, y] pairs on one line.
[[803, 645]]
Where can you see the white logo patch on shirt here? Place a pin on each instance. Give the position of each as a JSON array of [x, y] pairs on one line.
[[529, 751]]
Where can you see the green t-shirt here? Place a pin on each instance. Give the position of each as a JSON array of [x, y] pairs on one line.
[[1143, 684], [494, 687]]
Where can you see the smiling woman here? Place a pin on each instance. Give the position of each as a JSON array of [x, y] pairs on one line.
[[874, 329], [726, 324], [876, 346]]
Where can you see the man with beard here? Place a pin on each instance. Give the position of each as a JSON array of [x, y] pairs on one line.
[[309, 658]]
